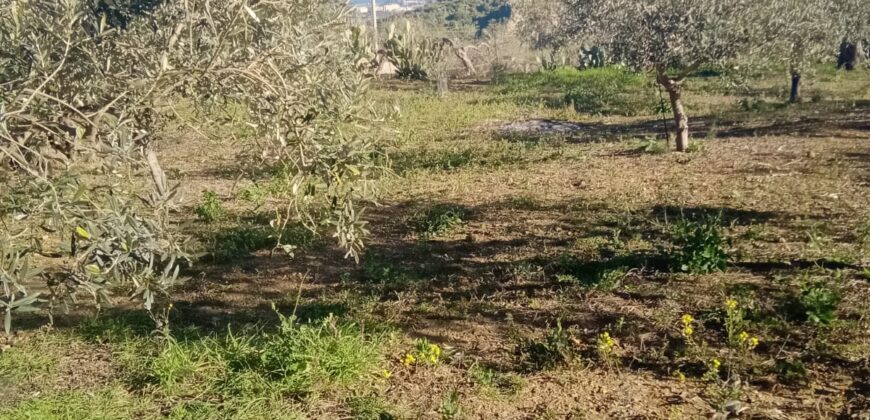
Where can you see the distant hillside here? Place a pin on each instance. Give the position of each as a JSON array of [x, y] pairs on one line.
[[463, 17]]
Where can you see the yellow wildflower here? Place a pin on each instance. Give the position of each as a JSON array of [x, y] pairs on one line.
[[687, 319], [409, 359], [730, 304], [688, 331], [753, 342], [743, 336], [386, 373], [605, 341], [716, 364], [435, 351]]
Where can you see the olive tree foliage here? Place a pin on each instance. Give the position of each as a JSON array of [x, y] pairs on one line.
[[541, 22], [87, 85], [806, 33], [671, 38]]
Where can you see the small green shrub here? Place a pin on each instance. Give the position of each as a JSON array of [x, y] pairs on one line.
[[599, 275], [700, 245], [378, 269], [696, 146], [254, 194], [439, 220], [451, 406], [210, 208], [551, 351], [791, 371], [240, 242], [493, 381], [610, 279], [819, 302], [233, 244], [651, 145]]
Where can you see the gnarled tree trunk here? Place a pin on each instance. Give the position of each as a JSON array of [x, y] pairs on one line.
[[850, 55], [462, 54], [675, 92]]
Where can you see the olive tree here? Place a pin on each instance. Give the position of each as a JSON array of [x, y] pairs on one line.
[[85, 87], [541, 22], [852, 19], [806, 31], [671, 38]]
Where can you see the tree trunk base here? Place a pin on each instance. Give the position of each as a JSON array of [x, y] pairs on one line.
[[795, 88]]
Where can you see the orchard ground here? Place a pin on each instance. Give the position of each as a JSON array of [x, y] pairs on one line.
[[523, 219]]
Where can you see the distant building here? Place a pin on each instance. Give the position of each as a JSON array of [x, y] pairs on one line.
[[397, 6]]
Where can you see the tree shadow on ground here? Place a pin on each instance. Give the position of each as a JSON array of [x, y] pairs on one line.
[[810, 120]]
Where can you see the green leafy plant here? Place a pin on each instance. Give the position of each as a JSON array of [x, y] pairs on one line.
[[651, 145], [379, 269], [700, 245], [451, 408], [491, 380], [791, 371], [210, 208], [820, 302], [553, 350], [598, 275], [239, 242], [439, 220]]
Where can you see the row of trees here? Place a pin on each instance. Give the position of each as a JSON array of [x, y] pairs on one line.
[[87, 85], [673, 38]]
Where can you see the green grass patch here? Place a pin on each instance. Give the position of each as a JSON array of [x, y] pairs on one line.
[[294, 360], [105, 404], [239, 242], [606, 91], [34, 359]]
